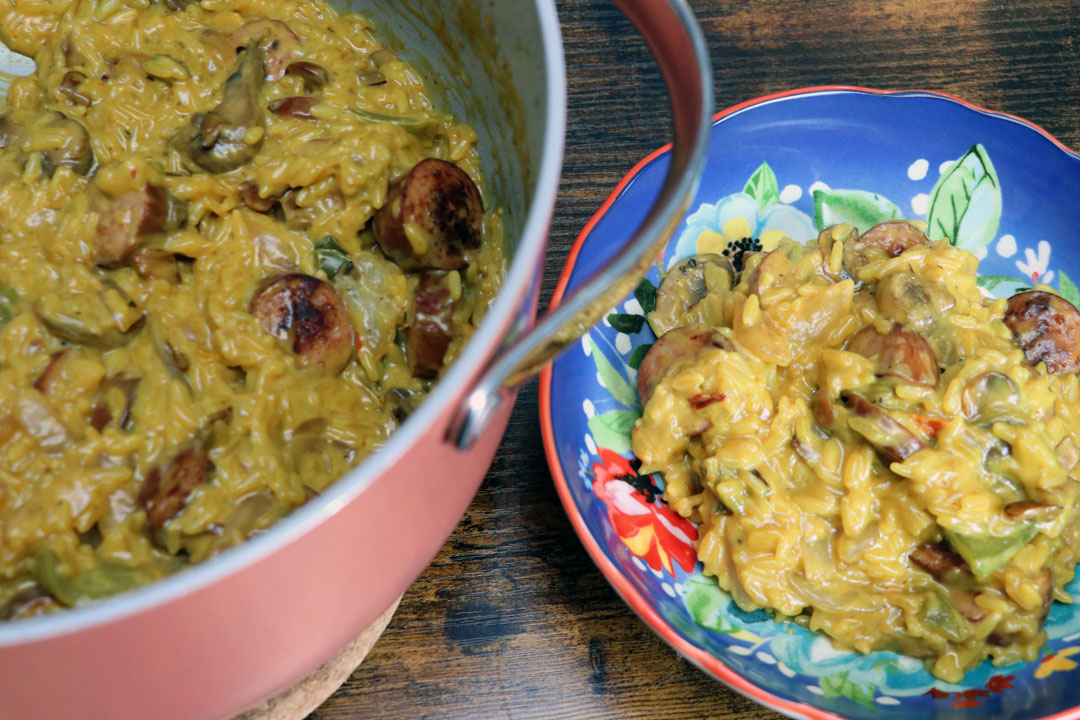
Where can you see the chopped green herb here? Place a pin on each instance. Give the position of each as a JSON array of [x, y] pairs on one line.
[[646, 295], [638, 355], [624, 323], [331, 257], [8, 298]]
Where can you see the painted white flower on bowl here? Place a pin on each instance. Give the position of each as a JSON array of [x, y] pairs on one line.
[[1035, 264]]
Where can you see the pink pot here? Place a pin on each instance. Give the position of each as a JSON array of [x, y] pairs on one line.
[[220, 637]]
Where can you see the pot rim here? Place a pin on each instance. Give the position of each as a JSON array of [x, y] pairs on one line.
[[478, 351]]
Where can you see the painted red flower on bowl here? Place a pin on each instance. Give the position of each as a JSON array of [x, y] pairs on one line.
[[648, 527]]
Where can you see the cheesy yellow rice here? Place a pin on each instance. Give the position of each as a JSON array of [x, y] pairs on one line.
[[238, 244], [872, 447]]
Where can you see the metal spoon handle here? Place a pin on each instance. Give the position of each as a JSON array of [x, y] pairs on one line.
[[678, 46]]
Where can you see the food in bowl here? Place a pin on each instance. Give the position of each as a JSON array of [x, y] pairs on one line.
[[872, 448], [239, 245]]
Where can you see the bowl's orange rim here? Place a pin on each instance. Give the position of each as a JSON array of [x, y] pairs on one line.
[[704, 660]]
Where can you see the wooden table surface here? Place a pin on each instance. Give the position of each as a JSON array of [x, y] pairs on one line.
[[512, 619]]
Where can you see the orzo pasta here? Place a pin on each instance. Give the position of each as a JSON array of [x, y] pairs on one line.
[[872, 447], [238, 244]]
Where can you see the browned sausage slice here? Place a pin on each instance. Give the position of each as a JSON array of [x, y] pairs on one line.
[[887, 239], [310, 315], [1047, 329], [673, 347], [430, 330], [164, 494], [899, 353], [129, 218], [431, 218]]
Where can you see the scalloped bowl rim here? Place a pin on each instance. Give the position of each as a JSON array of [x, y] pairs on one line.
[[704, 660]]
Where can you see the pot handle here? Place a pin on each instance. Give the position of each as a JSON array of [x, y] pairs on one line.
[[678, 46]]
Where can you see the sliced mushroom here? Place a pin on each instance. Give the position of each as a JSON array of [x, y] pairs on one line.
[[430, 330], [115, 400], [68, 144], [884, 240], [845, 233], [314, 76], [309, 314], [219, 140], [370, 78], [899, 353], [964, 602], [777, 267], [401, 402], [673, 349], [989, 397], [125, 221], [938, 559], [1045, 583], [249, 195], [27, 603], [431, 218], [892, 441], [1047, 329], [164, 494], [11, 132], [101, 319], [156, 264], [276, 41], [685, 286], [298, 108], [69, 88], [1030, 509], [916, 302]]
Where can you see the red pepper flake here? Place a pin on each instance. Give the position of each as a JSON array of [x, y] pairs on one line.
[[358, 342], [705, 399], [930, 425]]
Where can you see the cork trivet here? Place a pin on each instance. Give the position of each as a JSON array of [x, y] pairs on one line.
[[298, 701]]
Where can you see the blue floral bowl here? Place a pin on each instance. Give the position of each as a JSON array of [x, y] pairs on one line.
[[792, 164]]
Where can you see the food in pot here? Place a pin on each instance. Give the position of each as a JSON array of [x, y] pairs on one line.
[[238, 245], [872, 447]]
